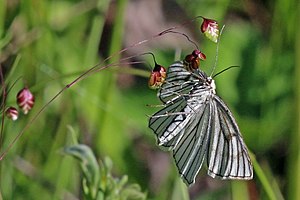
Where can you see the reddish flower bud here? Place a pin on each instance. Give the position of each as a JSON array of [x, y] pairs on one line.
[[210, 29], [157, 77], [192, 61], [12, 113], [25, 100]]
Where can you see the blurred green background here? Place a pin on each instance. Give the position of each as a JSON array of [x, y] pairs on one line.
[[49, 43]]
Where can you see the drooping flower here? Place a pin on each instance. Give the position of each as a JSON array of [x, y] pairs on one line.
[[210, 29], [25, 100], [157, 77], [192, 61], [12, 113]]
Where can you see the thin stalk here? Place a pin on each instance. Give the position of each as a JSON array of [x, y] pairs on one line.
[[180, 191], [239, 190], [294, 151], [263, 178], [2, 105]]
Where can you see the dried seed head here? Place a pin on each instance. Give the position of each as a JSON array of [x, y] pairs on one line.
[[25, 100]]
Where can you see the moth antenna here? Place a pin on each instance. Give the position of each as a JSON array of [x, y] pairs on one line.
[[217, 51], [224, 70]]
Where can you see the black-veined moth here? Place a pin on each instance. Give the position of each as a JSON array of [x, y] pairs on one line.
[[197, 126]]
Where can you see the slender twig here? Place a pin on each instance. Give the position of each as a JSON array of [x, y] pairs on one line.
[[2, 105]]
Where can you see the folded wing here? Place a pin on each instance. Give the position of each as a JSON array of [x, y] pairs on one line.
[[227, 157], [190, 151], [179, 82]]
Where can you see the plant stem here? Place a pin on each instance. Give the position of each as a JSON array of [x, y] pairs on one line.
[[294, 151]]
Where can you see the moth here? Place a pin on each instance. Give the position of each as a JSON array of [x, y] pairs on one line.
[[197, 126]]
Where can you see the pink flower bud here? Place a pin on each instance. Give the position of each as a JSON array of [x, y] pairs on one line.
[[210, 29], [157, 77], [12, 113], [25, 100]]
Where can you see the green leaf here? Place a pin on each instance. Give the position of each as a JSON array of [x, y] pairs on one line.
[[132, 192], [89, 166]]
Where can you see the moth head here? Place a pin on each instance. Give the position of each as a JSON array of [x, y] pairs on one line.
[[211, 83]]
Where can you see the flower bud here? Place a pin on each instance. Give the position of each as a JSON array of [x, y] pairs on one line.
[[25, 100], [192, 61], [210, 29], [157, 77], [12, 113]]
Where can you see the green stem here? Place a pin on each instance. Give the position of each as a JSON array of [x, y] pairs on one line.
[[263, 179], [239, 190], [294, 151]]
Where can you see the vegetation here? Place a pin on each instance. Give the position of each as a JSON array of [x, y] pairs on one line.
[[45, 45]]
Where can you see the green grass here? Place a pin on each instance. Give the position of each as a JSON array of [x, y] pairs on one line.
[[48, 44]]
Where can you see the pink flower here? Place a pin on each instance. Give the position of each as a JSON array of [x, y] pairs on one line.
[[12, 113], [25, 100], [210, 29]]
